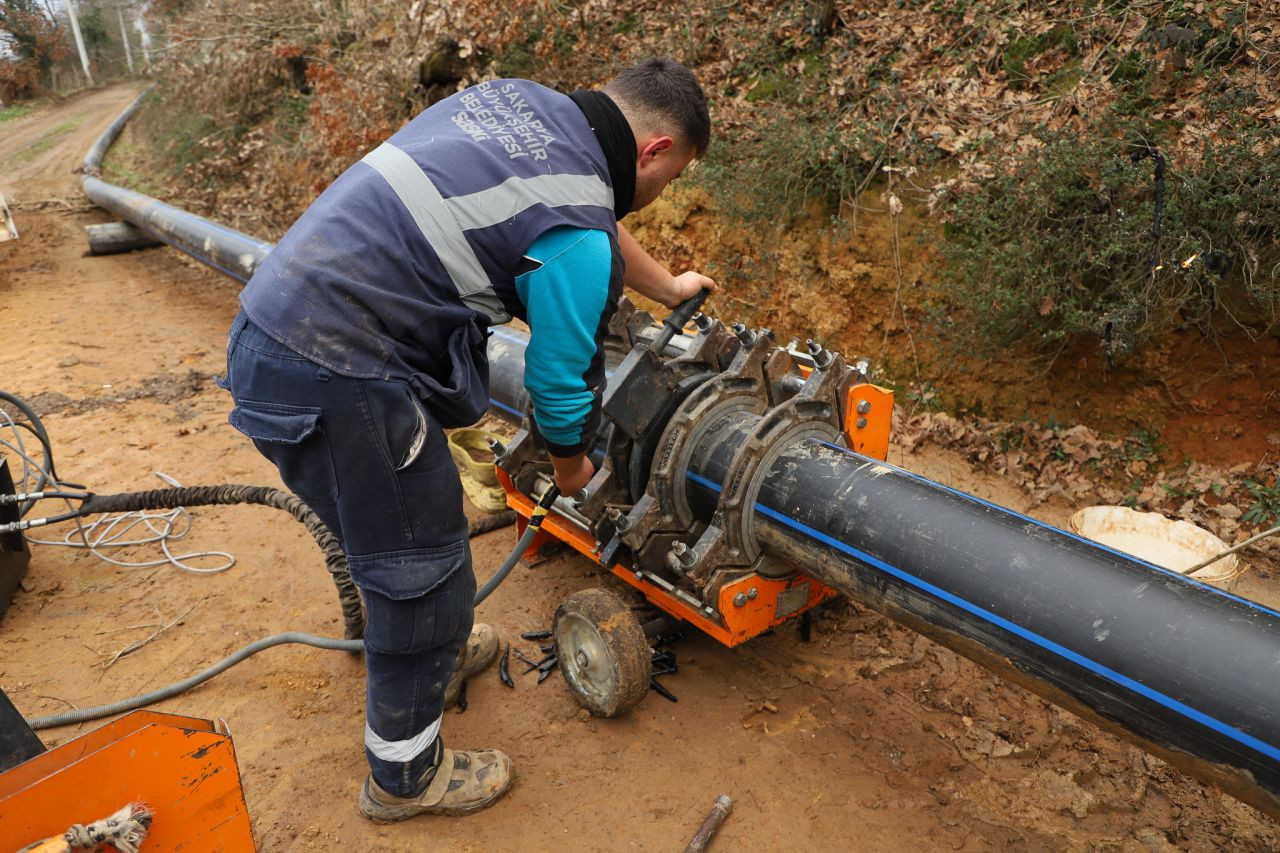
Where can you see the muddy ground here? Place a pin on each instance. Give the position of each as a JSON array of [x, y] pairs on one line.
[[880, 740]]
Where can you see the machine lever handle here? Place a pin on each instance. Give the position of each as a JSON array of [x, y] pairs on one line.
[[679, 316]]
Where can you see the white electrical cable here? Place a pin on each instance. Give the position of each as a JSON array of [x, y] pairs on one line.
[[109, 531]]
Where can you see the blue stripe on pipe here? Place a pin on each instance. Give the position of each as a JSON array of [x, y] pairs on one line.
[[500, 332], [1184, 578], [505, 408], [1169, 702], [209, 262]]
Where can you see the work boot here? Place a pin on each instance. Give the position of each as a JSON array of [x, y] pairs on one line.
[[465, 782], [480, 651]]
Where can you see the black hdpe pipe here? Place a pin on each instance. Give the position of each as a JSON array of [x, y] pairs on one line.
[[1186, 671], [213, 245]]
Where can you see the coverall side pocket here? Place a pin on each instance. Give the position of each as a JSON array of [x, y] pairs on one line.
[[423, 623], [464, 397], [401, 575], [293, 439]]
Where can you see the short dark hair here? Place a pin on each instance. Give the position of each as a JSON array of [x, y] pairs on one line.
[[660, 91]]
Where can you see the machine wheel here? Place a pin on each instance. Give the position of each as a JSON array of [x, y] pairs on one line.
[[603, 652]]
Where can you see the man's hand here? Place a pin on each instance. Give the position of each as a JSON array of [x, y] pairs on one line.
[[572, 473], [688, 284], [649, 278]]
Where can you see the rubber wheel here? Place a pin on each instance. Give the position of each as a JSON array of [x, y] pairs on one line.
[[604, 655]]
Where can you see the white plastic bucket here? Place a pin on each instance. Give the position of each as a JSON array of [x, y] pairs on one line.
[[1176, 545]]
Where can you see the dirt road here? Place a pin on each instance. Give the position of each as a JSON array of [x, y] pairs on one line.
[[881, 740]]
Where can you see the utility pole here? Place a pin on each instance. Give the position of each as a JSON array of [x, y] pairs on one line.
[[124, 37], [75, 30], [146, 40]]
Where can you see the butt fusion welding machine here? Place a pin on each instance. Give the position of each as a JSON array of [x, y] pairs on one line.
[[636, 518]]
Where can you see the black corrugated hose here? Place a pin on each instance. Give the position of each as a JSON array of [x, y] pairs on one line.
[[186, 496]]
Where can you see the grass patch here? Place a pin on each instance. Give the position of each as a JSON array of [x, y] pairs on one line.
[[44, 143], [15, 112], [128, 165]]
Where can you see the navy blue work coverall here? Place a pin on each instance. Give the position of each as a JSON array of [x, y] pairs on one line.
[[362, 336]]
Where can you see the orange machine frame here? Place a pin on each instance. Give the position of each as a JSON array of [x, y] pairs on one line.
[[183, 768], [757, 615]]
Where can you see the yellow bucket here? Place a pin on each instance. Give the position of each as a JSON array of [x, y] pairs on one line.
[[470, 451]]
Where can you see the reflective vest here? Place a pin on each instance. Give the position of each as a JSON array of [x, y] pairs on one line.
[[401, 264]]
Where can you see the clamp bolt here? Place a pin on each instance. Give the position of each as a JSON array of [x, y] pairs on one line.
[[702, 321], [822, 358], [862, 366], [744, 334], [683, 554], [497, 447], [752, 593], [740, 600], [864, 406], [862, 423]]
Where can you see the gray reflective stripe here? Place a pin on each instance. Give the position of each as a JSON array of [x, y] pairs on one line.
[[401, 750], [514, 195], [487, 302], [425, 204]]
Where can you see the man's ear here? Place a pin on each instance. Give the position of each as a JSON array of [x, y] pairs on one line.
[[652, 148]]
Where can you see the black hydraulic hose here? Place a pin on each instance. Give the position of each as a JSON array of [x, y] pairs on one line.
[[81, 715]]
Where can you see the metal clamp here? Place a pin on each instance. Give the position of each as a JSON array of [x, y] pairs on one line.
[[817, 411], [664, 507]]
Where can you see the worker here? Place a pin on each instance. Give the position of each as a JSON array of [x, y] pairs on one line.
[[362, 336]]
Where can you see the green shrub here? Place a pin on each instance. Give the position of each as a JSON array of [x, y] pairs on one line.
[[1059, 245], [1265, 510], [788, 167]]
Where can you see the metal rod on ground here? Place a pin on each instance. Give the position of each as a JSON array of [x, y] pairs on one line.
[[1245, 544], [719, 811]]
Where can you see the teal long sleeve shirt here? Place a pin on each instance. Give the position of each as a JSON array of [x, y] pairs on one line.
[[568, 307]]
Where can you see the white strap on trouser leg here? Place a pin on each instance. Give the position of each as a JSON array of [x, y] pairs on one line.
[[401, 750]]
